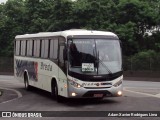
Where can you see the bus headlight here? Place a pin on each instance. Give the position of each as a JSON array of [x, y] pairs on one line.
[[117, 83], [119, 93], [75, 84]]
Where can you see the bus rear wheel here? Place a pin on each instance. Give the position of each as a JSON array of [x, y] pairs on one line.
[[26, 82], [54, 93]]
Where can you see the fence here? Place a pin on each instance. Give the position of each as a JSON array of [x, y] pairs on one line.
[[6, 65], [141, 64], [141, 67]]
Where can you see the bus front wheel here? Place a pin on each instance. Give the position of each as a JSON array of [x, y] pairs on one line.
[[55, 93]]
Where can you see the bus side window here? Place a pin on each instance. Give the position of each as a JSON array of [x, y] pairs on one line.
[[17, 47], [61, 60], [36, 48], [23, 47], [44, 49], [29, 48], [53, 48], [21, 51], [20, 45]]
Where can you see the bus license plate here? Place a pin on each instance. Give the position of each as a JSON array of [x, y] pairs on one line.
[[98, 95]]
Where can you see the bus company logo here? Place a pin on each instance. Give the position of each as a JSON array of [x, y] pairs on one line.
[[45, 66], [97, 84], [91, 84]]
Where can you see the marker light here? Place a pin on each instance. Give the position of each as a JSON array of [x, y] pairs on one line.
[[73, 94], [119, 93], [65, 86]]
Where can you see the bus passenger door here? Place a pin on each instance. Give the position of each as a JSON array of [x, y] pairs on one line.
[[62, 79]]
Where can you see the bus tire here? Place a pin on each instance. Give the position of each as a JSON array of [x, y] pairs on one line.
[[26, 82], [54, 93]]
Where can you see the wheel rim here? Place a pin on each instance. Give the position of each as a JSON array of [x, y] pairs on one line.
[[55, 91], [26, 82]]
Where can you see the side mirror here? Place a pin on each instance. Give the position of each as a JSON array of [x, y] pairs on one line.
[[65, 53]]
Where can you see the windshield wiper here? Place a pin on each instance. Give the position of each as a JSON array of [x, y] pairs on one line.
[[104, 65], [100, 61]]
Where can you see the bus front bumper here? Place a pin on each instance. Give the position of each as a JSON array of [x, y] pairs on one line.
[[93, 93]]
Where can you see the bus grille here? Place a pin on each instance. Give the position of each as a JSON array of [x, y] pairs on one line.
[[96, 87]]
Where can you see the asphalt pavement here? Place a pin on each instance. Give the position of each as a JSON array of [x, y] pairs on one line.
[[137, 96]]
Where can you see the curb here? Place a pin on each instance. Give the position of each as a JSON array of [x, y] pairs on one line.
[[8, 95]]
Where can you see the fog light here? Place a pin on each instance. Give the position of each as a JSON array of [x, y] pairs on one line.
[[73, 94], [119, 93]]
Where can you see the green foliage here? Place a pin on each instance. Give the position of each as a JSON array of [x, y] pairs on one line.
[[61, 17], [128, 18], [126, 32]]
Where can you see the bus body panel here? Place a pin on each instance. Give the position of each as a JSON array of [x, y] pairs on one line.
[[40, 73]]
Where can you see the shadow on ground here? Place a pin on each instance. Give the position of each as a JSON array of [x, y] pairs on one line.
[[72, 101]]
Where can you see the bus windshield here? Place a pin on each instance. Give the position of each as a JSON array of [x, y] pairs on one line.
[[94, 56]]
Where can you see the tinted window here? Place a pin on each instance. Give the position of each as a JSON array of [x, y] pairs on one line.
[[17, 47], [54, 48], [29, 48], [23, 47], [44, 49], [36, 48]]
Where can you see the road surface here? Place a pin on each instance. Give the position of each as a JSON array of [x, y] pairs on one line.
[[137, 96]]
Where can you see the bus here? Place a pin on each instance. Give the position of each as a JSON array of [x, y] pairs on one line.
[[73, 63]]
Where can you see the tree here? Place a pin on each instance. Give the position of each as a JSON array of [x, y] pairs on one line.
[[62, 16], [12, 15], [129, 19], [141, 14]]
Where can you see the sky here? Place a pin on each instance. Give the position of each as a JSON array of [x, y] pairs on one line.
[[1, 1]]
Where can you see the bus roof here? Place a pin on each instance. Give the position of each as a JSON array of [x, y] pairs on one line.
[[66, 33]]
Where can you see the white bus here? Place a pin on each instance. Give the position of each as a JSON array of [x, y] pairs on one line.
[[71, 63]]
